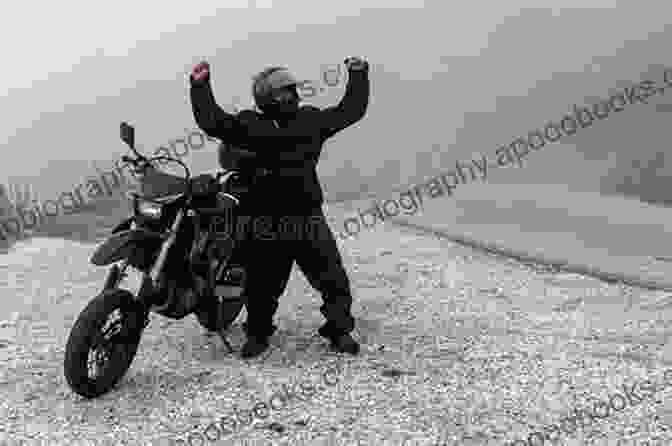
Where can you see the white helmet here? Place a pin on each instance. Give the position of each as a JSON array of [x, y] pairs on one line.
[[269, 80]]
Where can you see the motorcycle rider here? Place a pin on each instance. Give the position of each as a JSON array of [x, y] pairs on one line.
[[287, 140]]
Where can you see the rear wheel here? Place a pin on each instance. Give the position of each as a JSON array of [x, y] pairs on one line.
[[103, 342]]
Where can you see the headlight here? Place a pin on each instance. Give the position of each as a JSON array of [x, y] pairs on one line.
[[149, 209]]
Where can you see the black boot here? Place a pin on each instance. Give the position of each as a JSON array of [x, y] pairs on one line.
[[342, 343], [254, 346]]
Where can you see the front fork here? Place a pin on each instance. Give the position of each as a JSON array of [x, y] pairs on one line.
[[114, 278], [150, 280]]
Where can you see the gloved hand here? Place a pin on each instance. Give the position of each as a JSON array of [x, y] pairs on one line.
[[356, 64], [201, 72]]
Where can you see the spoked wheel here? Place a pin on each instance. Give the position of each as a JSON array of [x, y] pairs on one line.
[[103, 342]]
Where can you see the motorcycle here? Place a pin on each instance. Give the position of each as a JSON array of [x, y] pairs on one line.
[[174, 239]]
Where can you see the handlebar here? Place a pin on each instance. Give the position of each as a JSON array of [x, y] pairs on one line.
[[143, 163]]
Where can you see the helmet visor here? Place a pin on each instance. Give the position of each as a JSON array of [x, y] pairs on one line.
[[280, 79], [275, 81], [284, 95]]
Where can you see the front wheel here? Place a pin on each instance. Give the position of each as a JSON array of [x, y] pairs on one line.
[[107, 343]]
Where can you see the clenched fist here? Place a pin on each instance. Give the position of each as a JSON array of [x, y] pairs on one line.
[[201, 72], [356, 64]]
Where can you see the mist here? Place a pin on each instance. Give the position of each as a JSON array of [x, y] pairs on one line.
[[448, 81]]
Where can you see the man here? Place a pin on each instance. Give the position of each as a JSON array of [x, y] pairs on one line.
[[287, 139]]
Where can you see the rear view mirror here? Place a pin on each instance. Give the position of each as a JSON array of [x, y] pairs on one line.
[[128, 134]]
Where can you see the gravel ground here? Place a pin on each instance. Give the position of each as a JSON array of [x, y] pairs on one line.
[[457, 344]]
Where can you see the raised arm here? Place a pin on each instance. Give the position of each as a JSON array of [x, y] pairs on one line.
[[354, 103], [209, 116]]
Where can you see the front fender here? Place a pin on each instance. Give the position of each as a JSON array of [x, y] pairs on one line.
[[122, 245]]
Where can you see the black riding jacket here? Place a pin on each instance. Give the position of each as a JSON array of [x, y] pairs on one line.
[[291, 153]]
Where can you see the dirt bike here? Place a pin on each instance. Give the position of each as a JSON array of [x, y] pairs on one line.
[[175, 240]]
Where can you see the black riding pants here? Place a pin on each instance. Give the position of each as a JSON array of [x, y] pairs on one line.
[[270, 245]]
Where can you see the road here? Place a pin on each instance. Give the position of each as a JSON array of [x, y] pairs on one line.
[[454, 340]]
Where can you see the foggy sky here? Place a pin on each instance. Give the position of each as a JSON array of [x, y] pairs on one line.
[[448, 78]]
